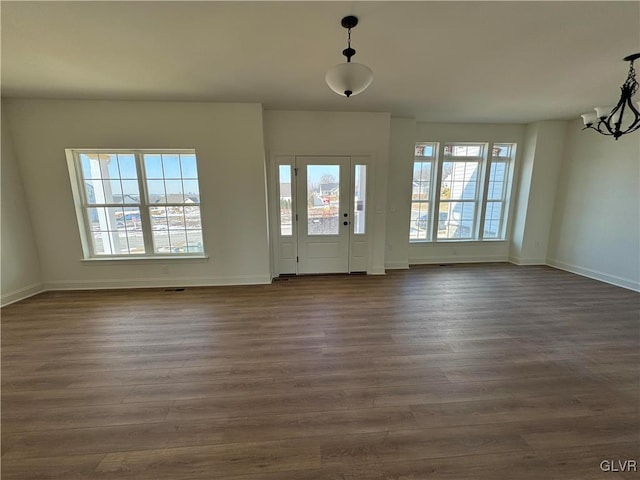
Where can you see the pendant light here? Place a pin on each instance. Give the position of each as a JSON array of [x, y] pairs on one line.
[[349, 78]]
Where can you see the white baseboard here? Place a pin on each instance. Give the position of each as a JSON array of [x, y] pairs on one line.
[[596, 275], [158, 283], [457, 259], [21, 293], [376, 270], [396, 265], [527, 261]]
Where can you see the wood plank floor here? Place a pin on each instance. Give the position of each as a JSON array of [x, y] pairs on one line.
[[457, 372]]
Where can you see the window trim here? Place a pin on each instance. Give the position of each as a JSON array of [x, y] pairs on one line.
[[82, 205]]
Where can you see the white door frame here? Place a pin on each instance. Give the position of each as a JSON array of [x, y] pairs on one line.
[[284, 248]]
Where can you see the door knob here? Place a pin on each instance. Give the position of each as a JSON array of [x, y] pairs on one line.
[[345, 223], [345, 215]]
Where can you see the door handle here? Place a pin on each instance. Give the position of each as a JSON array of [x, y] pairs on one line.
[[345, 223], [345, 215]]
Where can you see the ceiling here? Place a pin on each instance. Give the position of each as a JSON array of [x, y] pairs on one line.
[[433, 61]]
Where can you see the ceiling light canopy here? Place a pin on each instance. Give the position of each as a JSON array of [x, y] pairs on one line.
[[349, 78], [625, 116]]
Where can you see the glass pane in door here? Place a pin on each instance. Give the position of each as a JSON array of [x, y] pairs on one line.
[[323, 199], [284, 173], [360, 197]]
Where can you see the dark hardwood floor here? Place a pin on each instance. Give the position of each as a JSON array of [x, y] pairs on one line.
[[458, 372]]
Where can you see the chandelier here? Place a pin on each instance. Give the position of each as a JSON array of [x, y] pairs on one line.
[[349, 78], [625, 116]]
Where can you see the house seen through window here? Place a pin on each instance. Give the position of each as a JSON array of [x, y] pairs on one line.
[[137, 203]]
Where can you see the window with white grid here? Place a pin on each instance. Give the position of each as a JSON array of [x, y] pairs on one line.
[[458, 205], [424, 156], [499, 167], [467, 187], [137, 203]]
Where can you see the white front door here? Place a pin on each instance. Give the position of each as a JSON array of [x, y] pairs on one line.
[[324, 214]]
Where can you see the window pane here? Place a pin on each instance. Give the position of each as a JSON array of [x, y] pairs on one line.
[[174, 191], [360, 199], [116, 231], [176, 229], [191, 190], [463, 150], [153, 166], [194, 241], [178, 239], [492, 219], [496, 190], [155, 189], [175, 218], [171, 166], [424, 150], [127, 164], [192, 217], [113, 191], [97, 219], [130, 191], [158, 218], [459, 180], [491, 229], [501, 150], [498, 170], [109, 165], [286, 221], [90, 166], [189, 168], [94, 191], [100, 243], [420, 227], [456, 220], [323, 199], [421, 181]]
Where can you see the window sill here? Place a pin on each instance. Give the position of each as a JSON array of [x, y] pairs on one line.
[[156, 258]]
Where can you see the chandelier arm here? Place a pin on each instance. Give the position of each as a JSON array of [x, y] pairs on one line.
[[618, 112], [612, 123], [608, 130]]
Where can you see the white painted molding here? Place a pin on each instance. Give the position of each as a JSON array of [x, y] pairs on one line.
[[458, 259], [159, 283], [596, 275], [396, 265], [21, 293], [527, 261], [377, 270]]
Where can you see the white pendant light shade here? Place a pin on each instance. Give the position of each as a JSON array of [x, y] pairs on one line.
[[349, 79]]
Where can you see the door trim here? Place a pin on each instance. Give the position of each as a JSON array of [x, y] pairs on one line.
[[361, 244]]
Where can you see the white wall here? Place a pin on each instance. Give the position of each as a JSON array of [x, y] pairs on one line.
[[338, 133], [400, 191], [229, 144], [596, 227], [403, 140], [20, 276], [535, 203]]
